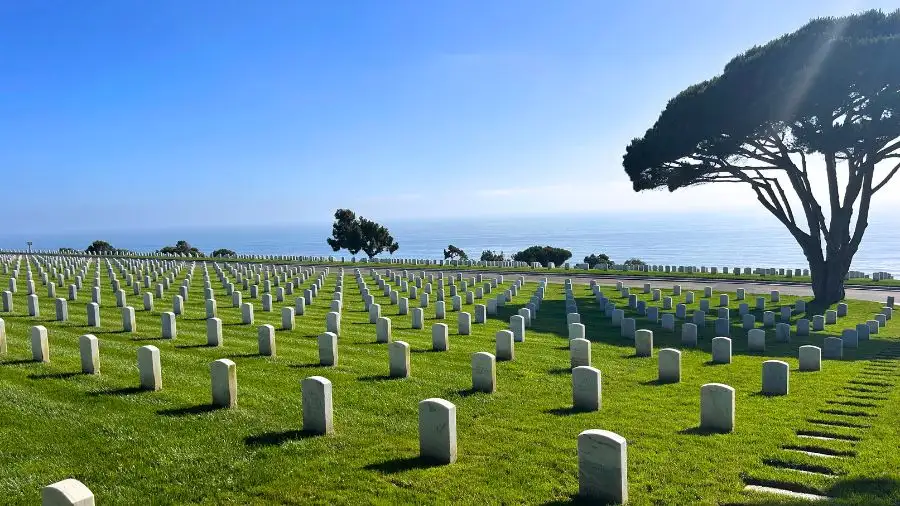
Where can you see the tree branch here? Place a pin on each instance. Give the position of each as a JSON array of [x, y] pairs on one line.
[[886, 178]]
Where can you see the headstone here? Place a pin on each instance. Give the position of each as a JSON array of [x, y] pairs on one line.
[[802, 327], [517, 326], [810, 358], [69, 492], [850, 338], [505, 345], [689, 335], [40, 346], [833, 348], [440, 340], [484, 372], [437, 430], [383, 330], [756, 340], [223, 373], [398, 358], [775, 377], [628, 327], [62, 310], [721, 350], [128, 319], [841, 309], [318, 415], [818, 323], [668, 322], [579, 352], [602, 466], [169, 328], [783, 333], [266, 340], [328, 349], [830, 317], [149, 368], [717, 407], [643, 343], [669, 366], [586, 388], [34, 308], [464, 323]]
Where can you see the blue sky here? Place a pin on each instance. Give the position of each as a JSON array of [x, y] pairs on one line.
[[123, 114]]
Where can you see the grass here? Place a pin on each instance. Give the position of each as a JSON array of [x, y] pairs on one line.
[[515, 446], [856, 282]]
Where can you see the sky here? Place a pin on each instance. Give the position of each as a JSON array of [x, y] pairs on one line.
[[131, 114]]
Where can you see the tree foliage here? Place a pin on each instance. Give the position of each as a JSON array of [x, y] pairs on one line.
[[593, 259], [181, 248], [357, 234], [452, 252], [222, 252], [543, 255], [635, 261], [491, 256], [99, 246], [831, 89]]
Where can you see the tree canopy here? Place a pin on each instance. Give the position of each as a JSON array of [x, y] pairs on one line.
[[99, 246], [830, 89], [452, 252], [543, 255], [357, 234], [593, 259], [181, 248], [491, 256], [223, 252]]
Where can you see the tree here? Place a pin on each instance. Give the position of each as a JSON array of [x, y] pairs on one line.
[[593, 260], [181, 248], [543, 255], [100, 247], [635, 261], [222, 252], [829, 91], [359, 234], [452, 252], [68, 250], [491, 256]]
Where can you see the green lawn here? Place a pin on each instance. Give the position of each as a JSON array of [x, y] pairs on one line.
[[515, 446], [349, 264]]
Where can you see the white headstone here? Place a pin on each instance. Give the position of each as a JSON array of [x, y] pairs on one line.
[[328, 349], [484, 372], [602, 466], [318, 408], [437, 430], [586, 388], [717, 407], [149, 368], [223, 373]]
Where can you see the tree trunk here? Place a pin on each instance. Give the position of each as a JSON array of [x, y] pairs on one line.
[[828, 281]]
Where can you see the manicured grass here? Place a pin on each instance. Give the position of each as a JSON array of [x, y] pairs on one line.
[[515, 446], [887, 283]]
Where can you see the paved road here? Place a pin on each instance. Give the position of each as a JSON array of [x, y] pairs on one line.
[[876, 294]]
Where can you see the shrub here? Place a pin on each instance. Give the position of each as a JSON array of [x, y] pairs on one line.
[[593, 260], [543, 255]]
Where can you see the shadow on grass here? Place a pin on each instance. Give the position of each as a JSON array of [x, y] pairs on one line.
[[882, 488], [573, 499], [559, 370], [18, 362], [150, 339], [189, 410], [699, 431], [377, 377], [306, 366], [278, 438], [244, 355], [567, 411], [56, 375], [120, 391], [425, 350], [188, 346], [400, 465]]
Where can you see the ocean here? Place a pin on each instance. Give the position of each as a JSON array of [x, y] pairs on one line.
[[696, 239]]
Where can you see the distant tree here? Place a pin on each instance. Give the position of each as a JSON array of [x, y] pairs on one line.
[[635, 261], [356, 234], [452, 252], [830, 90], [593, 260], [182, 248], [222, 252], [100, 247], [68, 250], [491, 256], [543, 255]]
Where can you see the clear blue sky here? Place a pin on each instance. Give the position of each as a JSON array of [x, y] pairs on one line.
[[132, 113]]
